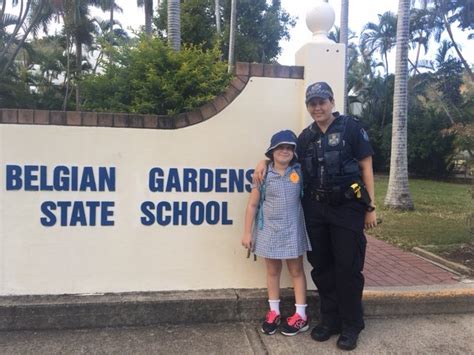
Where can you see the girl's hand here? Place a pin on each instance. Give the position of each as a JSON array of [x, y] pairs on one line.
[[247, 241], [370, 220], [259, 172]]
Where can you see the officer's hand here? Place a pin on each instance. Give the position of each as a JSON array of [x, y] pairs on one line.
[[370, 220], [259, 172]]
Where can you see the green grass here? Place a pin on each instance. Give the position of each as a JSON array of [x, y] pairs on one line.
[[442, 217]]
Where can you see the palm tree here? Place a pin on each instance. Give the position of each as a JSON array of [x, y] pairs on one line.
[[174, 24], [233, 25], [107, 38], [398, 193], [458, 10], [218, 17], [423, 24], [32, 11], [380, 36], [344, 35], [148, 4]]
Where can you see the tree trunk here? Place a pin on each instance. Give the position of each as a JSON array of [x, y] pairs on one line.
[[21, 19], [148, 16], [233, 18], [174, 25], [112, 5], [218, 17], [344, 39], [78, 73], [2, 11], [23, 39], [398, 193], [67, 78], [463, 60]]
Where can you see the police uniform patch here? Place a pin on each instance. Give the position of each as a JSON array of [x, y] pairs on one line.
[[364, 134], [334, 139]]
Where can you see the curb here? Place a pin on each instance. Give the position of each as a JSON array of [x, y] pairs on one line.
[[208, 306], [446, 264]]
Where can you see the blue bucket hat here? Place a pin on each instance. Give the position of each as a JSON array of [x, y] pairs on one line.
[[279, 138], [320, 89]]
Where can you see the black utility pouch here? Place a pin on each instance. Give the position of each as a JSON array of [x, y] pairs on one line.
[[333, 162]]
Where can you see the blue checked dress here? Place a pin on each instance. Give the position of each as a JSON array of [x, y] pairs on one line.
[[283, 234]]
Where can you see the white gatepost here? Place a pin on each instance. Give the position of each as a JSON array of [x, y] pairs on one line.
[[323, 59]]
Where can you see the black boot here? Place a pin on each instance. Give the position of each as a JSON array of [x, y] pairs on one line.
[[347, 340], [323, 331]]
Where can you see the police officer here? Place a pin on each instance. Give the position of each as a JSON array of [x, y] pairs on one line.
[[336, 157]]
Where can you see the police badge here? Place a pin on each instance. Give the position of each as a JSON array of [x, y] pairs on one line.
[[334, 139], [364, 134]]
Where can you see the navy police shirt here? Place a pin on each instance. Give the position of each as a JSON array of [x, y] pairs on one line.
[[344, 143]]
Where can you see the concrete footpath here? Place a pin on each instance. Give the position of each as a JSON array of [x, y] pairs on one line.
[[429, 334]]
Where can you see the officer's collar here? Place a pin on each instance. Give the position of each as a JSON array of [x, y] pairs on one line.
[[313, 127]]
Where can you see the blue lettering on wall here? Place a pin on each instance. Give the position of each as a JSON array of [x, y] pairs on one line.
[[161, 218], [50, 219], [249, 176], [59, 178], [201, 180], [106, 213], [190, 180], [74, 213], [196, 213], [221, 180], [181, 212], [155, 180], [63, 178], [13, 178], [205, 180], [147, 218], [30, 177], [43, 179], [173, 181]]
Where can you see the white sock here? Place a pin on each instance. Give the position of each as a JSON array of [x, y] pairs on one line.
[[274, 305], [301, 310]]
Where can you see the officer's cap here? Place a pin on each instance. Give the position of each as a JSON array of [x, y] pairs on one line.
[[320, 89], [279, 138]]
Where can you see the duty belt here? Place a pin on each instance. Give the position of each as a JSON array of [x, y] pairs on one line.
[[332, 196]]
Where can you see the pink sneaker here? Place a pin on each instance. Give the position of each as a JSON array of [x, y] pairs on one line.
[[295, 324], [271, 323]]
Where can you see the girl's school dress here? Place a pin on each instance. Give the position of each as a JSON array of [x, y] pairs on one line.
[[280, 230]]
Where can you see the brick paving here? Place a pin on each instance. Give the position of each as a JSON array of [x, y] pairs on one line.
[[387, 265]]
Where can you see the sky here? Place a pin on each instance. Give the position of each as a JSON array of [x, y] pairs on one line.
[[360, 13]]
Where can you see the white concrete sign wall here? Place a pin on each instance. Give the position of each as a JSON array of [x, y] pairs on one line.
[[97, 209], [198, 178]]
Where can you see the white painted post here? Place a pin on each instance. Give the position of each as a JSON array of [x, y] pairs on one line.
[[323, 59]]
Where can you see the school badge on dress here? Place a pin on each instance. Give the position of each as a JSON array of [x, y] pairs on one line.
[[294, 177], [334, 139]]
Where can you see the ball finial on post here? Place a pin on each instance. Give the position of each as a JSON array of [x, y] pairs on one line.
[[320, 20]]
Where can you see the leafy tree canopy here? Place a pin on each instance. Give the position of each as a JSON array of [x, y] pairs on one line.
[[151, 78], [260, 27]]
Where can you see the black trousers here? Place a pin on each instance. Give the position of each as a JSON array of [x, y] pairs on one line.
[[338, 243]]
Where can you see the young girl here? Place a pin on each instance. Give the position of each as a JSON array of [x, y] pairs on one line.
[[279, 231]]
